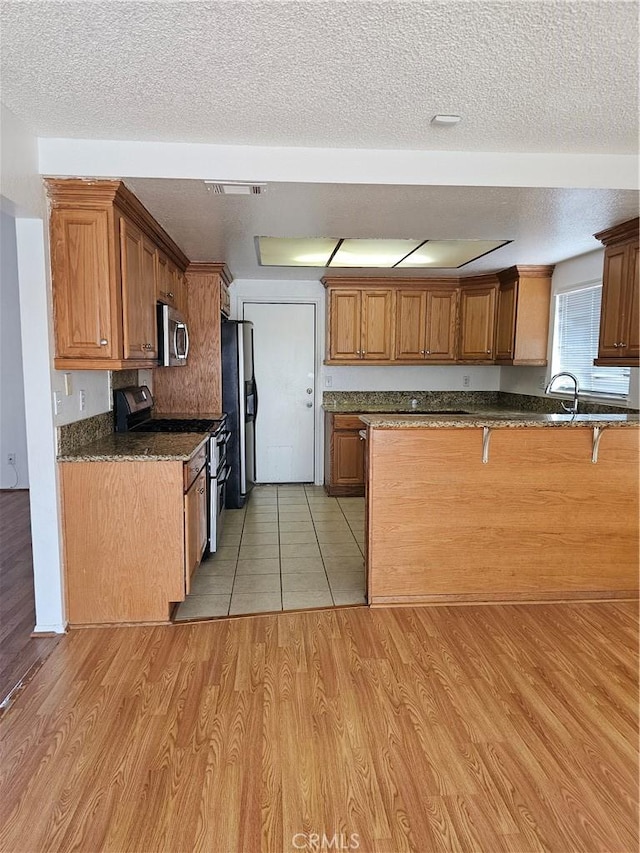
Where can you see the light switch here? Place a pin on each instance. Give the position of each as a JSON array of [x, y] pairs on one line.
[[68, 385], [57, 402]]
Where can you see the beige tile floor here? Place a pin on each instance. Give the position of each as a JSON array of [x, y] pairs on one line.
[[290, 547]]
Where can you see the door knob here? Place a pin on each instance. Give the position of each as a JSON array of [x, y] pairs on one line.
[[309, 405], [309, 390]]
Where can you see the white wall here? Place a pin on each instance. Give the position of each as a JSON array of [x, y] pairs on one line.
[[532, 380], [13, 428], [22, 195]]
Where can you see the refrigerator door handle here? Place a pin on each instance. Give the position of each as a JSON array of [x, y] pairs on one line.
[[255, 400]]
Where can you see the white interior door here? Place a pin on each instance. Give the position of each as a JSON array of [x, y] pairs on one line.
[[284, 357]]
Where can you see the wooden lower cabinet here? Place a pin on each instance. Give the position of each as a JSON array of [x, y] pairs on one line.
[[344, 455], [132, 538], [537, 521], [195, 526]]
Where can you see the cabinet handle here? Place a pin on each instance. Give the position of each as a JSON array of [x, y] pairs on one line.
[[622, 345], [615, 346], [364, 352], [428, 352], [201, 491], [170, 295], [103, 342], [147, 346], [488, 352], [358, 352]]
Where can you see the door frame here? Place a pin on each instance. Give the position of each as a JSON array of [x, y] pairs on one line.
[[284, 293]]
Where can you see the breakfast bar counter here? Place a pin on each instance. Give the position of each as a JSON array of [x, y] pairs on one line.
[[501, 507]]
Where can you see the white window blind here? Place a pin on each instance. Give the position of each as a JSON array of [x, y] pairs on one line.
[[575, 345]]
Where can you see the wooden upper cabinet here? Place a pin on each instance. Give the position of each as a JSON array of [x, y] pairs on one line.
[[522, 322], [104, 248], [344, 326], [138, 275], [411, 324], [440, 339], [619, 319], [426, 325], [477, 323], [85, 305], [360, 324], [377, 328], [170, 287]]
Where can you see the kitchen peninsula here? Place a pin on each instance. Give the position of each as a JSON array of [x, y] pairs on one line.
[[501, 507]]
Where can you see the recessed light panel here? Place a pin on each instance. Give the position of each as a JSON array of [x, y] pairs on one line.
[[449, 254], [296, 251], [372, 253]]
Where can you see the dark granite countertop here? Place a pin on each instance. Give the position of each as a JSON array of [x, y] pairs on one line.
[[139, 446], [496, 419]]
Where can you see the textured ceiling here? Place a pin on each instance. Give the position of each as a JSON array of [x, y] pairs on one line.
[[547, 75], [546, 225]]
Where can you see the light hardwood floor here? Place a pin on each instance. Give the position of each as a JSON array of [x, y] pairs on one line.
[[485, 729], [20, 654]]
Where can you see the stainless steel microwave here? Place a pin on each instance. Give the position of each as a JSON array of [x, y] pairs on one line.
[[173, 337]]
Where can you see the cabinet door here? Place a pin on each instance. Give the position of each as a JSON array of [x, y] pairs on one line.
[[377, 324], [411, 307], [344, 324], [477, 321], [506, 320], [164, 281], [133, 291], [195, 526], [348, 458], [83, 292], [632, 314], [440, 338], [178, 288], [614, 286]]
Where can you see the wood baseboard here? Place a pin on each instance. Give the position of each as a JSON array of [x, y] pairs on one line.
[[555, 597]]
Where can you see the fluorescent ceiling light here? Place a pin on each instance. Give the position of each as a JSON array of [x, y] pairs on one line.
[[372, 253], [449, 254], [365, 253], [296, 251]]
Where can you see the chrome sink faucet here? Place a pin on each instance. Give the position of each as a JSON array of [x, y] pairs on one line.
[[573, 408]]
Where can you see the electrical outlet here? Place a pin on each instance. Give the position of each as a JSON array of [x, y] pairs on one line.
[[83, 399], [466, 381], [11, 458], [542, 383]]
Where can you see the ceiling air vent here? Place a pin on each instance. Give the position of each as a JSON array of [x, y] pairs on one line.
[[235, 188]]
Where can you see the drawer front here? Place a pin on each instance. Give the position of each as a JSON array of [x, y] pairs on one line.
[[194, 466], [347, 422]]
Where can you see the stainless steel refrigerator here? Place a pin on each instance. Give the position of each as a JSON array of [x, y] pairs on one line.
[[240, 402]]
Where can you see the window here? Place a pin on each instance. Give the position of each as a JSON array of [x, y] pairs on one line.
[[575, 344]]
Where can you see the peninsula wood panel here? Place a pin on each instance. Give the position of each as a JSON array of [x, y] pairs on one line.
[[197, 387], [123, 540], [539, 520]]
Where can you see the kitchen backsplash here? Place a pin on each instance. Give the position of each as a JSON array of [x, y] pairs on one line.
[[430, 401], [71, 436]]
